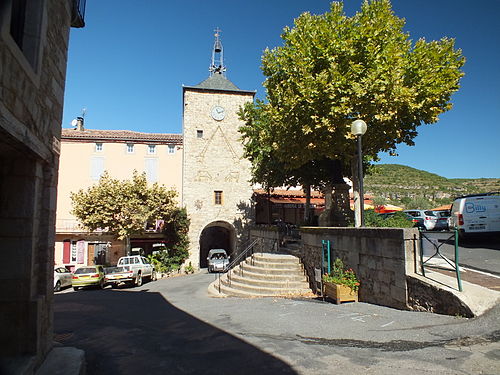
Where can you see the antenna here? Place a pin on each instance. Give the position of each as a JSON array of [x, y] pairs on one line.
[[84, 111], [217, 55]]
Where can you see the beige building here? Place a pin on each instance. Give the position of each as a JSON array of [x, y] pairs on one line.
[[85, 155]]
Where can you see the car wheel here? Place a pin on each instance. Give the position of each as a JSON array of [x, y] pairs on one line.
[[138, 281], [57, 288], [114, 285], [75, 288]]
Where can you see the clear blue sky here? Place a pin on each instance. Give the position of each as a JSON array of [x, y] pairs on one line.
[[128, 65]]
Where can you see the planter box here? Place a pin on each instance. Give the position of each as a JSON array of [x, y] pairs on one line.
[[340, 293]]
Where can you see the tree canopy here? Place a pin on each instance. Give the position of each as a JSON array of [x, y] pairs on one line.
[[123, 207], [333, 69]]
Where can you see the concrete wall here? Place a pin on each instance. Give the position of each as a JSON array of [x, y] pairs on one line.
[[32, 79], [381, 257]]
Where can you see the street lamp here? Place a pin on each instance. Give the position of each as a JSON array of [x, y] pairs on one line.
[[358, 128]]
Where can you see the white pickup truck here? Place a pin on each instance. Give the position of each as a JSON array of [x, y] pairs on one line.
[[131, 269]]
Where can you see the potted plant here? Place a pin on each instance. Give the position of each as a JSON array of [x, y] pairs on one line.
[[341, 284]]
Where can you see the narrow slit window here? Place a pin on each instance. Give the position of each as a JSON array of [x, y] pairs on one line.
[[218, 197]]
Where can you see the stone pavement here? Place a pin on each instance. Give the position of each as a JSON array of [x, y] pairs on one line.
[[173, 326]]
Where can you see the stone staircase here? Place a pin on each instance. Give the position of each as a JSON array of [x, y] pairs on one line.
[[264, 275]]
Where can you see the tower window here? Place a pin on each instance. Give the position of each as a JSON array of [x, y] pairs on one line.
[[98, 147], [151, 149], [218, 197], [171, 149], [199, 134], [130, 148]]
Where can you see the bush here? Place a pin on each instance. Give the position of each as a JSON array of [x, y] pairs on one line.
[[397, 220]]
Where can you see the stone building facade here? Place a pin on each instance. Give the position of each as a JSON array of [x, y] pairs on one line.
[[216, 189], [34, 37]]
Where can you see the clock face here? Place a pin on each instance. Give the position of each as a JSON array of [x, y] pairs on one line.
[[218, 113]]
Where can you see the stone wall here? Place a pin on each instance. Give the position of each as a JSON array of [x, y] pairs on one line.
[[214, 161], [32, 83], [381, 257]]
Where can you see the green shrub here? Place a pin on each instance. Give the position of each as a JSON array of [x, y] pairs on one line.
[[397, 220]]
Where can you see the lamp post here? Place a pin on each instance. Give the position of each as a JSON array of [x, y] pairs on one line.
[[358, 128]]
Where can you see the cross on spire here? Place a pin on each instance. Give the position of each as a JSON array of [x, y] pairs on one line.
[[217, 55]]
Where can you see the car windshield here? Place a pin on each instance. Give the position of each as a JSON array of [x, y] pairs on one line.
[[430, 213], [85, 270], [218, 256]]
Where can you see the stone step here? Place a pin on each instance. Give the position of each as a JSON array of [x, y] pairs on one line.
[[269, 271], [276, 258], [237, 287], [270, 277], [293, 284], [276, 265]]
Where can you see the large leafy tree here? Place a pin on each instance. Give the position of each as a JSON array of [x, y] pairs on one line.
[[123, 207], [333, 69]]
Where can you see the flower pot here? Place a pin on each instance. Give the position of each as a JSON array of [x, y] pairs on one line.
[[339, 293]]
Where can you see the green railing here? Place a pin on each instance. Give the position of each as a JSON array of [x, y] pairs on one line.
[[437, 246]]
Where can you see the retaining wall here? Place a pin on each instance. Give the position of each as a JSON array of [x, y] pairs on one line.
[[381, 257]]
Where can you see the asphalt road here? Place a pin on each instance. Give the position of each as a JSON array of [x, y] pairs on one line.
[[482, 254], [172, 326]]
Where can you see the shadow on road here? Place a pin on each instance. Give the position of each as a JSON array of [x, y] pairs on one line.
[[140, 332]]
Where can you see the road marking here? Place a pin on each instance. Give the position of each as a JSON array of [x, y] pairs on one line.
[[388, 324]]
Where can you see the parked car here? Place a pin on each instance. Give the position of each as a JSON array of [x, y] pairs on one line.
[[137, 267], [88, 276], [425, 219], [217, 260], [62, 278], [442, 220], [477, 214]]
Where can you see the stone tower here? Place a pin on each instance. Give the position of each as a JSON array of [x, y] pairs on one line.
[[216, 190]]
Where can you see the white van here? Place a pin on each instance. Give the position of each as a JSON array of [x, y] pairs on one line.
[[476, 214]]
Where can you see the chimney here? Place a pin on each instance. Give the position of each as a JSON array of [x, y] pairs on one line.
[[79, 124]]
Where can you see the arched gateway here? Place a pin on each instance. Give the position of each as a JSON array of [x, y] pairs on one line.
[[215, 180], [216, 235]]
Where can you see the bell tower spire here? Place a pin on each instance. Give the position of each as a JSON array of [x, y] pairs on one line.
[[217, 56]]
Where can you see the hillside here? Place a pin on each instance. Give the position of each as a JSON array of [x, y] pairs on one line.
[[413, 188]]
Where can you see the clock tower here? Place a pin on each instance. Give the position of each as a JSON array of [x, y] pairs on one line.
[[215, 189]]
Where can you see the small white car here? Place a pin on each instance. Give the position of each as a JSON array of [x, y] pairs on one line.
[[62, 278], [217, 260]]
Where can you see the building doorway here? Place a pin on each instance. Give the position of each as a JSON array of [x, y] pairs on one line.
[[216, 235]]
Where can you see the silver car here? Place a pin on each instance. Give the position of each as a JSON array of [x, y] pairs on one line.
[[217, 260]]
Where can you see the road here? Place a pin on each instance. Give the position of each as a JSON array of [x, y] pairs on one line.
[[479, 254], [172, 326]]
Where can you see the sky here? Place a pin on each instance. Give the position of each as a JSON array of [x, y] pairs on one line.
[[127, 66]]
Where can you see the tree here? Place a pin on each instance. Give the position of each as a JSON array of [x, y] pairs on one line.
[[333, 69], [124, 207]]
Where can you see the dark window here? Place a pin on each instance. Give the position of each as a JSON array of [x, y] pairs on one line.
[[25, 27], [199, 133], [218, 197]]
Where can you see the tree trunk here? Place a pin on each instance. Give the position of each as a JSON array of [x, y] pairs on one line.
[[307, 207]]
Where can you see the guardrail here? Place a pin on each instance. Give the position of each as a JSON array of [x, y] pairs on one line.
[[426, 240]]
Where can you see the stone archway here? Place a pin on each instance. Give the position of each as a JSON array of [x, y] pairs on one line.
[[216, 235]]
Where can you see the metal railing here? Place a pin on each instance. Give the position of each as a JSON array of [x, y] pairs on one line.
[[247, 252], [454, 266]]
